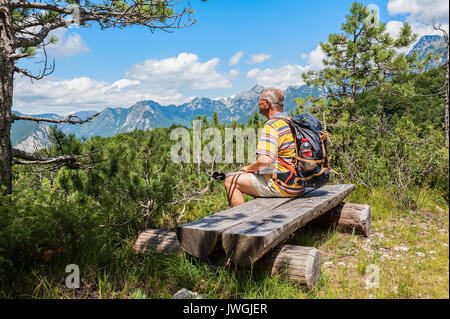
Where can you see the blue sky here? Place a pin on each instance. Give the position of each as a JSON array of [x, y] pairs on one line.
[[272, 43]]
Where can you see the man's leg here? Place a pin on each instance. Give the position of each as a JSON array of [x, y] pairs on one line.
[[236, 186]]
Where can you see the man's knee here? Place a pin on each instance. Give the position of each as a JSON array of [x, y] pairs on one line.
[[233, 182], [228, 182]]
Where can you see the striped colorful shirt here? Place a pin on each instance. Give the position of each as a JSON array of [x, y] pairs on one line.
[[276, 140]]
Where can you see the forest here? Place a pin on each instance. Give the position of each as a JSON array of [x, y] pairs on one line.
[[387, 135]]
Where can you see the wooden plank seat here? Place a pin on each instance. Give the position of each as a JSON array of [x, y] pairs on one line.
[[248, 231], [250, 240], [201, 237]]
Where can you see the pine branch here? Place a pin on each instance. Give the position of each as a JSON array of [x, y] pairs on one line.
[[30, 75], [38, 37], [198, 193], [25, 4], [105, 16]]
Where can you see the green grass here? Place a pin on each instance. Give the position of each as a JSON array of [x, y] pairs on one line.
[[115, 271]]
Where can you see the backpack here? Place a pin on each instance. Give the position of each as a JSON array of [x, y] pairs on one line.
[[308, 126]]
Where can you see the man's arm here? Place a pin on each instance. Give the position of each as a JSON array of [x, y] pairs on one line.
[[266, 150], [262, 161]]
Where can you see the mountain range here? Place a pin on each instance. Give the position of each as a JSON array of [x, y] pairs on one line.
[[31, 136]]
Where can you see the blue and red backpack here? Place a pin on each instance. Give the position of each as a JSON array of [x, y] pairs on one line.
[[308, 126]]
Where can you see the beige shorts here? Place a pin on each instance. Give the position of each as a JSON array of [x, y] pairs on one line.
[[264, 186]]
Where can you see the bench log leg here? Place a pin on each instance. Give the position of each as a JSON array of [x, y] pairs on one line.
[[301, 264], [347, 217], [158, 240]]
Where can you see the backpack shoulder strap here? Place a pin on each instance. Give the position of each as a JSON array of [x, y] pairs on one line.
[[287, 120]]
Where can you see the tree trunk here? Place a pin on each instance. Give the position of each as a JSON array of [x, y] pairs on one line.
[[446, 97], [353, 106], [6, 94]]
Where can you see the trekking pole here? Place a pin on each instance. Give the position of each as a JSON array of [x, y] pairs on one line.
[[221, 176]]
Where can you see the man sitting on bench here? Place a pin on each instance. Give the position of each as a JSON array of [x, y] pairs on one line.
[[276, 147]]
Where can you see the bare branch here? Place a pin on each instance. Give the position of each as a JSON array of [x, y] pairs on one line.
[[192, 196], [181, 214], [71, 119], [37, 159], [200, 193], [438, 27], [18, 56], [30, 75], [46, 70]]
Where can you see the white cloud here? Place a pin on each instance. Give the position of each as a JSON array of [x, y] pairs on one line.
[[393, 27], [234, 73], [157, 80], [253, 73], [236, 58], [260, 57], [420, 14], [423, 29], [291, 74], [420, 10], [67, 45], [179, 71], [315, 58], [281, 77], [62, 96], [123, 83]]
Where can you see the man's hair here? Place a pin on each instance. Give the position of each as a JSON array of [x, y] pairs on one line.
[[275, 97]]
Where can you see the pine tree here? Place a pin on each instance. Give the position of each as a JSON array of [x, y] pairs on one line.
[[205, 122], [362, 57], [215, 120]]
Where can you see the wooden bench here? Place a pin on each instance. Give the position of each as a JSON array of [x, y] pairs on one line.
[[254, 231], [248, 231]]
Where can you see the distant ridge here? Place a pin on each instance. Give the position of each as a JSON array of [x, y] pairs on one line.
[[435, 44], [146, 115]]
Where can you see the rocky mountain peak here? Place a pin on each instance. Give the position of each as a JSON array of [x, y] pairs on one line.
[[251, 94]]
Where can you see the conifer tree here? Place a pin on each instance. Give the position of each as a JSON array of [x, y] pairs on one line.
[[215, 119], [205, 122], [361, 57]]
